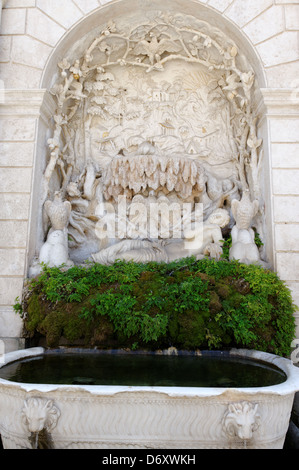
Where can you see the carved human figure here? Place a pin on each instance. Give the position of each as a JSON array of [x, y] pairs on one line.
[[137, 223], [243, 246], [140, 251], [206, 239], [89, 183], [149, 217]]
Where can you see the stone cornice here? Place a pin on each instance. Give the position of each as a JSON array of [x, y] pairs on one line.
[[29, 103], [278, 102]]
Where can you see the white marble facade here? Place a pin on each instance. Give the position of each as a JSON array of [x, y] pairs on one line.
[[257, 77]]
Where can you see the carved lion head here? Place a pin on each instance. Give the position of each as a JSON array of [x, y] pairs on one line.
[[39, 414], [241, 420]]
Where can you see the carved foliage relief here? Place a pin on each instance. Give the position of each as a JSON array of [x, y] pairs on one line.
[[163, 109]]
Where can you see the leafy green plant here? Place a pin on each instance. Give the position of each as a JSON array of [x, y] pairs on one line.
[[188, 304], [18, 306]]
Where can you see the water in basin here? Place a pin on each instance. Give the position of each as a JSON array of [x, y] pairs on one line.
[[143, 370]]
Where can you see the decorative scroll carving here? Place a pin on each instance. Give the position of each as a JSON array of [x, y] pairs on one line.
[[159, 109]]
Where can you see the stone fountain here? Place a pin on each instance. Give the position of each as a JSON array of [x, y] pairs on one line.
[[56, 416], [154, 157]]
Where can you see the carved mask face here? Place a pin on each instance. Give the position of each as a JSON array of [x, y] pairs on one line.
[[245, 425], [241, 420], [39, 414], [37, 423]]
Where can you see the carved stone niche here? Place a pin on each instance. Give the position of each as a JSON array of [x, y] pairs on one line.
[[155, 137]]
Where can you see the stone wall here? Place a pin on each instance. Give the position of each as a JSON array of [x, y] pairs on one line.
[[35, 32]]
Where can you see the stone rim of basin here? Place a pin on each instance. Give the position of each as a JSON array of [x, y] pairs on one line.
[[290, 385]]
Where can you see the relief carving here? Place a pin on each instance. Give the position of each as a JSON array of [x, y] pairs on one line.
[[243, 247], [161, 111], [39, 414], [241, 420]]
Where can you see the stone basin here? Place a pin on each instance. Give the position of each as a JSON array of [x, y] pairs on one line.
[[64, 416]]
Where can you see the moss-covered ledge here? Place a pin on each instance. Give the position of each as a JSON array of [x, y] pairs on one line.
[[188, 304]]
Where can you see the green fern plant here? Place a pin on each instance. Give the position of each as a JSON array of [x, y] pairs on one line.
[[188, 304]]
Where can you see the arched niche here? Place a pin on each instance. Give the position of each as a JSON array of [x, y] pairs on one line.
[[87, 28], [206, 57]]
